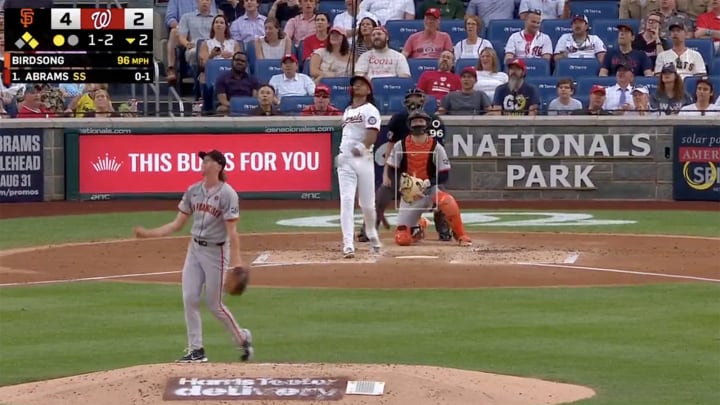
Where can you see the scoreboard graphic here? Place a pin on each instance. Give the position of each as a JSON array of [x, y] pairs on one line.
[[74, 45]]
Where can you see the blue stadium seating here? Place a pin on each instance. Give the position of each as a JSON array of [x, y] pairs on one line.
[[456, 29], [574, 67], [431, 104], [691, 82], [499, 47], [242, 105], [389, 86], [583, 99], [546, 85], [213, 69], [395, 104], [419, 65], [650, 82], [607, 30], [267, 68], [716, 67], [596, 9], [338, 85], [536, 66], [400, 30], [294, 104], [705, 47], [251, 55], [584, 84], [555, 28], [500, 30], [331, 7], [340, 100], [461, 63]]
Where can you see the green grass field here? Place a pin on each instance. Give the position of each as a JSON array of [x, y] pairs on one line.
[[656, 344]]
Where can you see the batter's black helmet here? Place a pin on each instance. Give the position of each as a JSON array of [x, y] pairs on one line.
[[416, 115]]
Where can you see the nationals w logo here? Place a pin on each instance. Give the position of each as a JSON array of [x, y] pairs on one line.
[[101, 19]]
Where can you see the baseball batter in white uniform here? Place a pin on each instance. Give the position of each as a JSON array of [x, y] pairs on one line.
[[213, 205], [355, 164]]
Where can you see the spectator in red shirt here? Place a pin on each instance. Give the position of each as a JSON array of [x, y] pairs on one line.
[[321, 103], [708, 24], [441, 82], [320, 38], [32, 105], [430, 42]]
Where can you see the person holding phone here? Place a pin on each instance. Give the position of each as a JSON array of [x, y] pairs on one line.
[[219, 46]]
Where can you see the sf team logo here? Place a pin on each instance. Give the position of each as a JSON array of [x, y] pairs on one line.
[[27, 17], [101, 19]]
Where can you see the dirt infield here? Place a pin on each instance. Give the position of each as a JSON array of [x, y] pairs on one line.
[[314, 260]]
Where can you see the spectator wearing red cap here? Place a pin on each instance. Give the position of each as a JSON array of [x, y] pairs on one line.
[[430, 42], [473, 44], [550, 9], [290, 82], [624, 54], [450, 9], [387, 10], [302, 25], [467, 100], [578, 43], [440, 82], [381, 61], [320, 38], [530, 42], [321, 103], [516, 97], [595, 104], [334, 59], [708, 24]]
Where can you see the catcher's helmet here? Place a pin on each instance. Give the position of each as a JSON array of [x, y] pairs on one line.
[[417, 115]]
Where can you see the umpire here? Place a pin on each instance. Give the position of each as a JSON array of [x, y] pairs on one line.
[[397, 131]]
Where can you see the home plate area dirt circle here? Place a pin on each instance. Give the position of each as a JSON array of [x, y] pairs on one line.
[[315, 260]]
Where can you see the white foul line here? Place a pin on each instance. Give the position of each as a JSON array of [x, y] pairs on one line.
[[72, 280], [639, 273]]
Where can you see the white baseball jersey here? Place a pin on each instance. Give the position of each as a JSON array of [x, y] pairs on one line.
[[688, 64], [540, 45], [356, 122], [589, 48]]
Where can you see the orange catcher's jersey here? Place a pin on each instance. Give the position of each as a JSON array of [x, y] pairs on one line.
[[423, 160]]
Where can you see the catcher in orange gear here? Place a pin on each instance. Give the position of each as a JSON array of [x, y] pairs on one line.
[[420, 164]]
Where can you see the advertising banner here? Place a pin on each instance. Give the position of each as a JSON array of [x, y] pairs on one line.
[[695, 163], [298, 165], [21, 165]]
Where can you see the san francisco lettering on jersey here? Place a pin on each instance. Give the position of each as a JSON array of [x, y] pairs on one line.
[[203, 207]]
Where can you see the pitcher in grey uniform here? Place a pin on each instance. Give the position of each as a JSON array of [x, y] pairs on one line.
[[213, 248]]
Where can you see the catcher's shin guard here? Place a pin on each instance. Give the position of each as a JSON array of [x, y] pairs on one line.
[[447, 205], [418, 232], [441, 226], [403, 236]]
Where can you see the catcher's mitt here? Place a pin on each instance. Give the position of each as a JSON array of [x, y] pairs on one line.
[[236, 280], [412, 188]]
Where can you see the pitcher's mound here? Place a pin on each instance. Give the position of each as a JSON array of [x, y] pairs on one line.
[[414, 385]]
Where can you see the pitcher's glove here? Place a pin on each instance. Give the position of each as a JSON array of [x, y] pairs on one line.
[[412, 188], [236, 280]]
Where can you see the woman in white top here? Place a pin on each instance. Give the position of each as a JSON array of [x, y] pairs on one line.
[[334, 59], [274, 45], [488, 76], [471, 47], [704, 93], [219, 46]]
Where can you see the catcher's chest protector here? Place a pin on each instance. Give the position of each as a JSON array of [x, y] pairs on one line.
[[418, 160]]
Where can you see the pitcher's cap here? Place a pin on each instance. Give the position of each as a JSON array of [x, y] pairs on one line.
[[215, 155]]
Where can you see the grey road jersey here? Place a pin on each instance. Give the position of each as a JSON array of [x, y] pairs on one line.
[[210, 210]]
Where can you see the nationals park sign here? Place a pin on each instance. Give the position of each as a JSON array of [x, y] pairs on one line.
[[557, 173]]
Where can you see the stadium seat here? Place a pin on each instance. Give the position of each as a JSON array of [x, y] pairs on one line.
[[584, 99], [431, 104], [499, 47], [555, 28], [340, 101], [389, 86], [596, 9], [213, 69], [251, 56], [331, 7], [574, 67], [650, 82], [462, 63], [705, 47], [338, 85], [546, 85], [267, 68], [419, 65], [536, 66], [607, 30], [456, 29], [294, 104], [396, 104], [500, 31], [716, 67], [691, 82], [400, 30], [584, 84], [242, 105]]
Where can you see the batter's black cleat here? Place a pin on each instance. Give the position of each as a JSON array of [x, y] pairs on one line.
[[445, 237], [246, 349], [361, 237], [193, 356]]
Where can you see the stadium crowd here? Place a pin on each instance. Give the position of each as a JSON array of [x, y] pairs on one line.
[[521, 57]]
